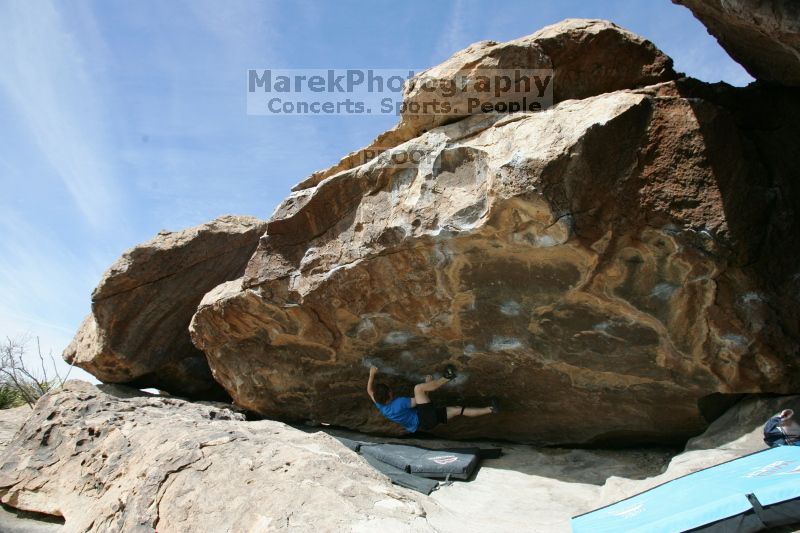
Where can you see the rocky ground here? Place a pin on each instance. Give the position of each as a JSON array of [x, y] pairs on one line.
[[143, 463], [12, 521], [10, 422]]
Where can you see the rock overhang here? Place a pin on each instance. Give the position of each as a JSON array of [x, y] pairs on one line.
[[551, 256]]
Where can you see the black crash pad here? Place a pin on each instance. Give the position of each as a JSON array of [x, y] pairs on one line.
[[423, 462], [403, 478], [413, 466]]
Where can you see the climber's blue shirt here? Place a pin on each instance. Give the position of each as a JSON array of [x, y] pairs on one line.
[[399, 410]]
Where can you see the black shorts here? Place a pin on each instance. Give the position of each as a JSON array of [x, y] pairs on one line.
[[430, 416]]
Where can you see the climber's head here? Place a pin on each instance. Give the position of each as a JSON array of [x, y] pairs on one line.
[[382, 393]]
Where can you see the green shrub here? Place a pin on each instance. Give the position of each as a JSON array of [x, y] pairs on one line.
[[10, 397]]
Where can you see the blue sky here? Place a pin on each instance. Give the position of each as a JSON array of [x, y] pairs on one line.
[[123, 118]]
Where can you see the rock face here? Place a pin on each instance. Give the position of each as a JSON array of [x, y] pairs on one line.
[[583, 54], [762, 35], [138, 330], [613, 269], [114, 460]]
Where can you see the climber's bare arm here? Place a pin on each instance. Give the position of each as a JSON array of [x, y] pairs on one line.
[[372, 371]]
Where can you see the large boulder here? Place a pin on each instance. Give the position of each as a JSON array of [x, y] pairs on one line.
[[762, 35], [614, 269], [137, 331], [115, 459], [583, 54]]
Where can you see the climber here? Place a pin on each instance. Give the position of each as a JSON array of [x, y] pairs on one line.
[[418, 412], [782, 430]]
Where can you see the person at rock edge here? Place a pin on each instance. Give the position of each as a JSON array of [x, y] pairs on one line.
[[782, 429], [417, 412]]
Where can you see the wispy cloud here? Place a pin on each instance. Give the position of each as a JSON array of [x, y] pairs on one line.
[[45, 75], [454, 36], [39, 277], [203, 156], [242, 27], [44, 288]]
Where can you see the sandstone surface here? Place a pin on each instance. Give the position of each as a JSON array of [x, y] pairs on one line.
[[583, 54], [762, 35], [137, 331], [614, 269], [117, 460], [10, 422]]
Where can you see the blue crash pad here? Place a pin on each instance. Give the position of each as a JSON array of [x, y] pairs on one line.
[[747, 494]]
